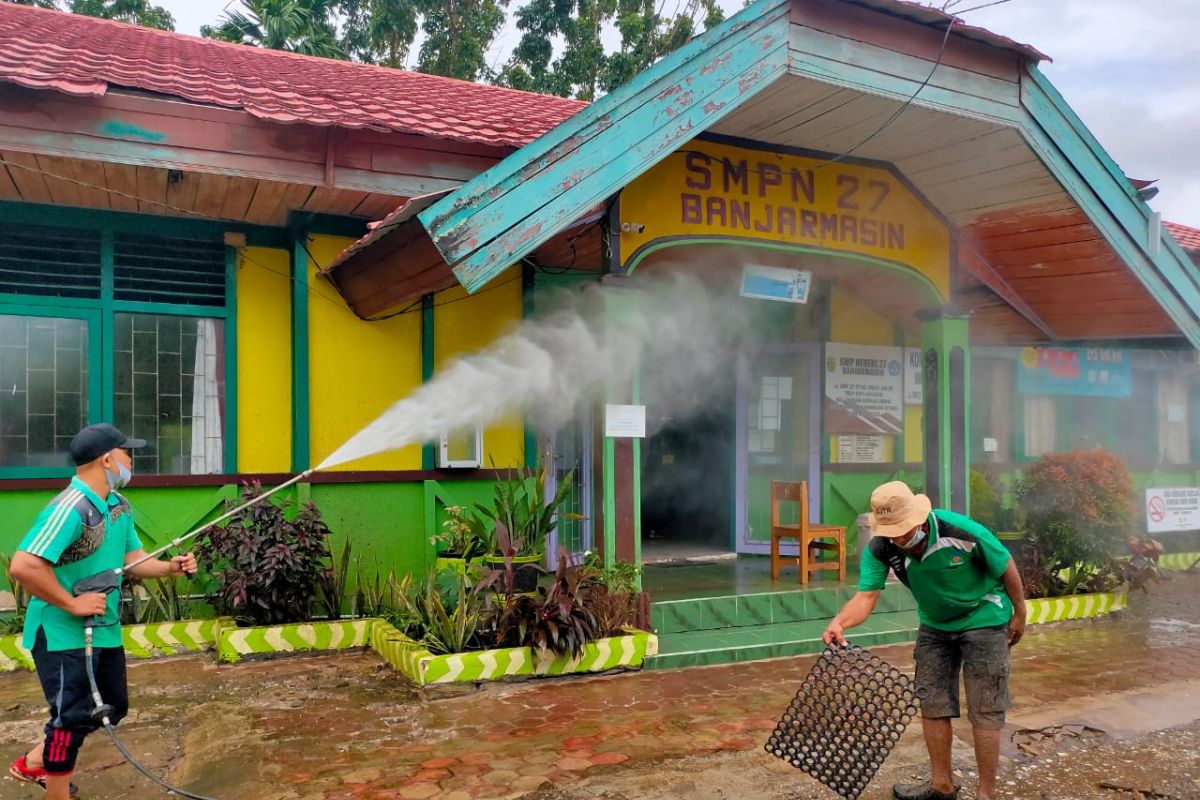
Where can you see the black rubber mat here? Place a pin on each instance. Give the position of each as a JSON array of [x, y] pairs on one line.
[[845, 720]]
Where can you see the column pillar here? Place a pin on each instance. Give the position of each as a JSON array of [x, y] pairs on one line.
[[622, 458], [947, 421]]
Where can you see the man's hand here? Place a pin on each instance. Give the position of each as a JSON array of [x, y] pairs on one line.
[[835, 634], [89, 605], [183, 565], [1016, 629]]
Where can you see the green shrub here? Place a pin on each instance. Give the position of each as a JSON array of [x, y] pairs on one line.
[[1079, 511], [985, 502]]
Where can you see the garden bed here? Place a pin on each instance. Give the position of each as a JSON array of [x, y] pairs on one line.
[[1079, 606], [234, 644], [424, 668]]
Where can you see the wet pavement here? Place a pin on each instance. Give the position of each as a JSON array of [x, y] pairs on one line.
[[345, 726]]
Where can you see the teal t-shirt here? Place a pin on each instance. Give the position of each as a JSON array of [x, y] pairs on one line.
[[81, 535], [957, 581]]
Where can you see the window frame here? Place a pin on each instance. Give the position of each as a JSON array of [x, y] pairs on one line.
[[101, 314]]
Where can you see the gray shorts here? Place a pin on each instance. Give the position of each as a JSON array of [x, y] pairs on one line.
[[981, 655]]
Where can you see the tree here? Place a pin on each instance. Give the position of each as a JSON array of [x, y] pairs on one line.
[[458, 34], [137, 12], [379, 31], [300, 26], [584, 69]]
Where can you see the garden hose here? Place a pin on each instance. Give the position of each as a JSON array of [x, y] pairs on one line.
[[102, 712]]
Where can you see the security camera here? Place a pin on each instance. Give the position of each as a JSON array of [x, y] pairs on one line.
[[632, 227]]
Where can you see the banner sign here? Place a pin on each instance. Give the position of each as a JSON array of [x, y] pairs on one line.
[[913, 396], [864, 389], [1172, 510], [1074, 371], [711, 190], [858, 449]]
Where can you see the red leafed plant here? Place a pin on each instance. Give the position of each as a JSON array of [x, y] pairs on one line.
[[1079, 510]]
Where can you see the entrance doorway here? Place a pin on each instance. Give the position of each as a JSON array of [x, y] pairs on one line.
[[778, 436], [687, 486]]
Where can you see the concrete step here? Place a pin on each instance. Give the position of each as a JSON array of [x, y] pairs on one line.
[[775, 640]]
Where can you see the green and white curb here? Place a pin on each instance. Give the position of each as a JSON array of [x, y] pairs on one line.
[[426, 669], [12, 655], [170, 638], [1080, 606], [1177, 561], [235, 643]]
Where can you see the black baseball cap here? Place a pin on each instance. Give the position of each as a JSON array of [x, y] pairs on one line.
[[96, 440]]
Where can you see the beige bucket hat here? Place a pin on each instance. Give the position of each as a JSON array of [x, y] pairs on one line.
[[895, 510]]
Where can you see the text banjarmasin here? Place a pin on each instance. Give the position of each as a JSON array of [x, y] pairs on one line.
[[852, 223]]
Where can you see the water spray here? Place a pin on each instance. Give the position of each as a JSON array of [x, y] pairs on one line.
[[109, 581]]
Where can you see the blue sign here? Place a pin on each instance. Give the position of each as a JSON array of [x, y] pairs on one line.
[[1074, 371], [774, 283]]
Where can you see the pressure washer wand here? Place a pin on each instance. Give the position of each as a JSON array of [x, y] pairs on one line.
[[195, 532]]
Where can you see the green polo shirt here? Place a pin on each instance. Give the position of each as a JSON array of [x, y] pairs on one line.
[[81, 535], [957, 581]]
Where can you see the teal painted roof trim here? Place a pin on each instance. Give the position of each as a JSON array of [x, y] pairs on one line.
[[517, 205], [1104, 193]]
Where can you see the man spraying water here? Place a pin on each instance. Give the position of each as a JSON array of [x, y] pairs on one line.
[[86, 530]]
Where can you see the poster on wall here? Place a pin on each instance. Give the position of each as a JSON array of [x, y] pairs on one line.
[[913, 396], [1175, 509], [1074, 371], [859, 449], [864, 389]]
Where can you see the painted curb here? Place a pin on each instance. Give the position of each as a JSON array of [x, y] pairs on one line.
[[13, 656], [235, 643], [171, 638], [1177, 561], [425, 669], [1079, 606]]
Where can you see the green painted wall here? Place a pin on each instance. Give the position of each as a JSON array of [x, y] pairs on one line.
[[386, 523]]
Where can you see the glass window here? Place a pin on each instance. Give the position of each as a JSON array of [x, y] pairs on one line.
[[169, 388], [43, 388]]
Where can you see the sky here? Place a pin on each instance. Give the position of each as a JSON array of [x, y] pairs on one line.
[[1131, 70]]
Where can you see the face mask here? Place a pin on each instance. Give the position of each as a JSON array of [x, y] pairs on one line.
[[121, 479], [915, 541]]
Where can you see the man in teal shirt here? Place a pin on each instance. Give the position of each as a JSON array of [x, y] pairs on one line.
[[971, 605], [85, 530]]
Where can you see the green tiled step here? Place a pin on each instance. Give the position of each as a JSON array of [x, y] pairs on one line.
[[754, 642], [766, 608]]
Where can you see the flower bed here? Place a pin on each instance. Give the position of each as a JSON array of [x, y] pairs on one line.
[[171, 638], [1177, 561], [233, 644], [424, 668], [1079, 606], [12, 655]]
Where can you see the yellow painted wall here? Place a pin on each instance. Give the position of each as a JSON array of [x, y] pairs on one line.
[[465, 323], [264, 348], [356, 369]]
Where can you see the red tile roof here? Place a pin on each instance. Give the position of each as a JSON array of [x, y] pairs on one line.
[[85, 56], [1188, 238]]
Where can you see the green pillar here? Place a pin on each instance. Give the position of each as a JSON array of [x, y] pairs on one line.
[[428, 449], [947, 423], [300, 405], [622, 458]]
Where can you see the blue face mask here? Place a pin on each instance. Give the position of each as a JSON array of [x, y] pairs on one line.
[[915, 541], [121, 479]]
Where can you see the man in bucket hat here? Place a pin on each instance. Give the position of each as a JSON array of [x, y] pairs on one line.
[[971, 605]]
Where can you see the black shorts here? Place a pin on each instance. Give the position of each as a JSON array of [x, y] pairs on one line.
[[981, 656], [64, 679]]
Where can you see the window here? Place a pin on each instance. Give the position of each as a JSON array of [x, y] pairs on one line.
[[461, 450], [114, 325], [43, 388]]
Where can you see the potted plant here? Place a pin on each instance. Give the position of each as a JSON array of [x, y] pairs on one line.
[[463, 537], [522, 518]]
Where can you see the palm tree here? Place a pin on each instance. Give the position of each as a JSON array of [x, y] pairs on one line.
[[301, 26], [137, 12]]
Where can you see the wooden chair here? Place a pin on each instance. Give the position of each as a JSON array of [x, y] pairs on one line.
[[812, 538]]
